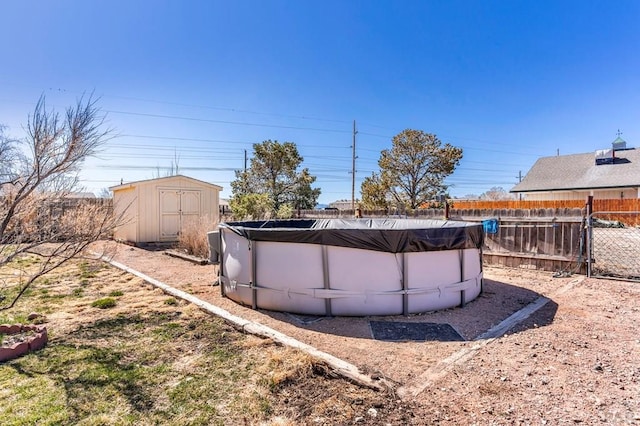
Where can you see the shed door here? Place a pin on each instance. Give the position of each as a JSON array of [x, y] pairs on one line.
[[176, 208]]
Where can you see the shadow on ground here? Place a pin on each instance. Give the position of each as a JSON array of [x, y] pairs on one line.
[[497, 302]]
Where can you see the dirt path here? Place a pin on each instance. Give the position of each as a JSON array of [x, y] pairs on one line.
[[574, 360]]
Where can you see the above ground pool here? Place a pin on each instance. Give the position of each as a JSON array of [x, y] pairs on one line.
[[354, 267]]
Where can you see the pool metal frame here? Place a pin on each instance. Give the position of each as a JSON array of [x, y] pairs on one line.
[[328, 293]]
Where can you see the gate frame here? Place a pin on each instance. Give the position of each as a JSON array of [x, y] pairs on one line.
[[589, 226]]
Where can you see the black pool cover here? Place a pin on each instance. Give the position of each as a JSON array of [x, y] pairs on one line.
[[388, 235]]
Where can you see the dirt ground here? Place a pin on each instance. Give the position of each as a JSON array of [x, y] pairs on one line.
[[576, 360]]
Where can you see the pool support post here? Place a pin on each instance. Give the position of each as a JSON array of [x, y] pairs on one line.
[[405, 286], [461, 256], [325, 278], [253, 284]]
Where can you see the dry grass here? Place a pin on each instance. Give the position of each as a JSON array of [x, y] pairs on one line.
[[193, 236], [286, 365], [145, 361]]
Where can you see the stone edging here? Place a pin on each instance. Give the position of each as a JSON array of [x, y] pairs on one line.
[[33, 343], [341, 367], [193, 259]]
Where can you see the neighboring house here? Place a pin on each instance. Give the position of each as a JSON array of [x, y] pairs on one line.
[[224, 206], [343, 204], [606, 174], [68, 198], [155, 210]]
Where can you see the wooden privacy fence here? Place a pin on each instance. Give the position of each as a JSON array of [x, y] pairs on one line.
[[616, 209], [544, 237], [515, 204], [560, 207], [544, 243]]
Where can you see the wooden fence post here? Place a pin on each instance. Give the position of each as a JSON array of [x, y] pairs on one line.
[[588, 223]]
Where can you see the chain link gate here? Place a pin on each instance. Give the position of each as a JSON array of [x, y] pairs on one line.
[[614, 245]]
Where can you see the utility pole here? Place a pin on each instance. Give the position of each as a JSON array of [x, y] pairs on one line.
[[520, 180], [245, 186], [353, 168]]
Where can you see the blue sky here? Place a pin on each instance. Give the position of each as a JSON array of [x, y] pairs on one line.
[[201, 81]]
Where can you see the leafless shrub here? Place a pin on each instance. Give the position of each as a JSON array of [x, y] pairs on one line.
[[193, 236]]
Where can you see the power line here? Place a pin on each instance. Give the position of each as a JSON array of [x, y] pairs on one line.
[[209, 120], [452, 137], [156, 150], [323, 146], [473, 148], [183, 104], [212, 107], [139, 167], [235, 110]]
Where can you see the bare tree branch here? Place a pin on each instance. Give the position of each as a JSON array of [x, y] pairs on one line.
[[36, 215]]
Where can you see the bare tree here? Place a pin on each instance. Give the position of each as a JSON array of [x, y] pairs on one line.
[[105, 194], [497, 193], [37, 174]]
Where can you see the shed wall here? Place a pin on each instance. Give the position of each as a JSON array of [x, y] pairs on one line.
[[144, 212], [125, 206]]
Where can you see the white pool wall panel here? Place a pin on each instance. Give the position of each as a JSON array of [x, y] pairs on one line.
[[427, 273], [287, 275], [437, 278], [363, 276], [236, 261]]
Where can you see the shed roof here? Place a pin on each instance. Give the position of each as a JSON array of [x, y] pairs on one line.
[[579, 171], [164, 179]]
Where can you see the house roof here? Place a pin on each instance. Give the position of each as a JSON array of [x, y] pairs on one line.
[[579, 171], [167, 178], [80, 195]]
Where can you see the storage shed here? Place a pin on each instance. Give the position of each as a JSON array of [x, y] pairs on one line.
[[155, 210]]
